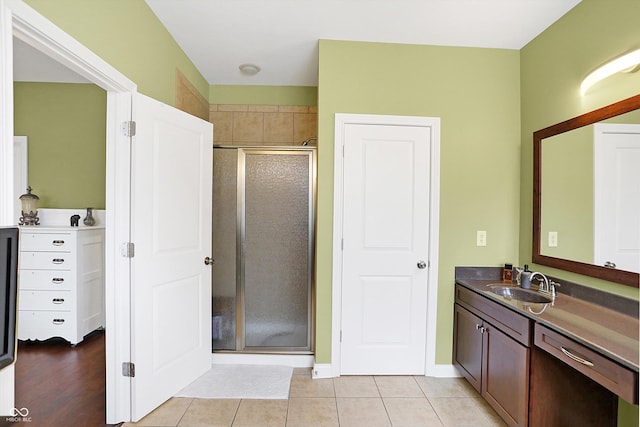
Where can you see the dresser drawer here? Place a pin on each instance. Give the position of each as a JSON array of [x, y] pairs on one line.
[[41, 325], [46, 300], [615, 377], [47, 261], [47, 280], [57, 242]]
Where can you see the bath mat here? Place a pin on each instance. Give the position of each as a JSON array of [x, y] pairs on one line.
[[241, 382]]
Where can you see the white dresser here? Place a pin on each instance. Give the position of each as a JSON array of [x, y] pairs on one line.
[[61, 282]]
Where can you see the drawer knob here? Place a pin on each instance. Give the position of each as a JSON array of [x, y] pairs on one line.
[[58, 242], [57, 280], [58, 300], [58, 321], [58, 260], [576, 358]]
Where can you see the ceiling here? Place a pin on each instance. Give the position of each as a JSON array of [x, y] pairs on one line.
[[281, 36]]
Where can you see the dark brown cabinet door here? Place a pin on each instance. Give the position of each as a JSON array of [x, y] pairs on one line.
[[505, 382], [467, 346]]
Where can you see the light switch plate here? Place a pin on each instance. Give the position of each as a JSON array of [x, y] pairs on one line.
[[553, 239]]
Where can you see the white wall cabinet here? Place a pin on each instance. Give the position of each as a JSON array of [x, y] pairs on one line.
[[61, 282]]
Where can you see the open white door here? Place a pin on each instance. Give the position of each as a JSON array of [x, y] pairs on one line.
[[617, 196], [171, 230]]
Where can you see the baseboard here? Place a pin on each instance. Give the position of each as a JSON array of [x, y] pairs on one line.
[[443, 371], [322, 370], [293, 360]]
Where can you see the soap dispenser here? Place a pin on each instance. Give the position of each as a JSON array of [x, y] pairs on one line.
[[525, 278]]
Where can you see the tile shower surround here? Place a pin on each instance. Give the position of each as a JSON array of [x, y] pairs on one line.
[[348, 401], [268, 125]]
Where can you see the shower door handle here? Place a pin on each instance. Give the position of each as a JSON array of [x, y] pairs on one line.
[[209, 261]]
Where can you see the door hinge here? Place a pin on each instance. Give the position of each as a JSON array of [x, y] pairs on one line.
[[128, 250], [128, 369], [340, 336], [129, 128]]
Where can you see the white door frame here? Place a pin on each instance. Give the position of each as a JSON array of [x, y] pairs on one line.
[[19, 20], [341, 121]]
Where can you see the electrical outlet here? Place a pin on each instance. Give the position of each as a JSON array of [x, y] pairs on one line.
[[481, 238], [553, 239]]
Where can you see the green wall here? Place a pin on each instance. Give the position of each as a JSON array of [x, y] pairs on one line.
[[127, 35], [263, 95], [475, 92], [66, 127], [552, 67]]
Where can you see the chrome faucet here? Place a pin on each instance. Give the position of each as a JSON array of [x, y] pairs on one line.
[[545, 287]]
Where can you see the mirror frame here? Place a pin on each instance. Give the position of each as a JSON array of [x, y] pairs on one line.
[[619, 276]]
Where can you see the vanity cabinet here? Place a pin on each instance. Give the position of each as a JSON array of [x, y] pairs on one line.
[[61, 282], [573, 385], [491, 349]]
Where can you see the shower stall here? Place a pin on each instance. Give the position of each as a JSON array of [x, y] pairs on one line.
[[263, 229]]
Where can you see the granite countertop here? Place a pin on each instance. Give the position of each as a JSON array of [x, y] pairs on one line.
[[609, 332]]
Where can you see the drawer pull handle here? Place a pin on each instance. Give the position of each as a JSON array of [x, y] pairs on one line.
[[57, 280], [576, 358], [58, 321], [58, 242], [58, 300], [58, 260]]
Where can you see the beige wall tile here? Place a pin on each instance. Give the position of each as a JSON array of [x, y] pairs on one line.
[[222, 126], [248, 127], [263, 108], [233, 107], [278, 127], [293, 108], [304, 126]]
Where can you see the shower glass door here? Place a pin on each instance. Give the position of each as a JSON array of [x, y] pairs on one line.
[[274, 253]]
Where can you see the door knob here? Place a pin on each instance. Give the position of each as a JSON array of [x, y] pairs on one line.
[[422, 264], [209, 261]]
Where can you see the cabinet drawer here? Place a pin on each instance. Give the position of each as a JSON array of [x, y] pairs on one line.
[[615, 377], [41, 325], [46, 300], [46, 280], [47, 261], [60, 242], [513, 324]]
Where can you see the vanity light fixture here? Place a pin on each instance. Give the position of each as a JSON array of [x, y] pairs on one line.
[[629, 61], [249, 69]]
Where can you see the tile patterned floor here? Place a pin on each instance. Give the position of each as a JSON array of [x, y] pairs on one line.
[[366, 401]]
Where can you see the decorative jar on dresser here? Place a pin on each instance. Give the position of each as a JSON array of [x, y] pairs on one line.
[[61, 282]]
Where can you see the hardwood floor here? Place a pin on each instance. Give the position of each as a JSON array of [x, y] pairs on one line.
[[62, 385]]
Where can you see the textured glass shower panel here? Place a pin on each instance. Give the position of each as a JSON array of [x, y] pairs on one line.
[[223, 321], [277, 249]]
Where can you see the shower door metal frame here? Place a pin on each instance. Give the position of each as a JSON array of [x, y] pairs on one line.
[[240, 246]]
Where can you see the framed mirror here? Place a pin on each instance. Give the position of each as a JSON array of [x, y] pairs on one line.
[[586, 201]]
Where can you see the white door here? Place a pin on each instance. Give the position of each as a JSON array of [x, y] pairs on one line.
[[617, 196], [385, 249], [20, 173], [171, 229]]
